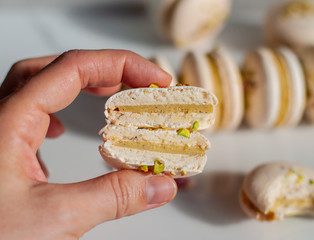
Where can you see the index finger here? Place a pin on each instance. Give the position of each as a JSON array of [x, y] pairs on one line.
[[25, 114]]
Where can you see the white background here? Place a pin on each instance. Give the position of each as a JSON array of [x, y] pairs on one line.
[[210, 210]]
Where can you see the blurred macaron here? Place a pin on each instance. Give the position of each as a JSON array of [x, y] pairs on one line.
[[217, 72], [291, 24], [190, 24], [275, 90]]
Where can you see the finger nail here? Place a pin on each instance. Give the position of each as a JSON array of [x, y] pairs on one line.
[[160, 189]]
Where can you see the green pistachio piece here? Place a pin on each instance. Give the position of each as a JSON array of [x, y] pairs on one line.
[[196, 126], [143, 168], [311, 182], [184, 132], [158, 166]]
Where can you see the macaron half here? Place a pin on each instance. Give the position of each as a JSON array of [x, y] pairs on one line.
[[275, 91], [217, 72], [136, 148], [173, 107], [273, 191]]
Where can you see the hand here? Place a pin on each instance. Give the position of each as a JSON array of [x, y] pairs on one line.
[[34, 89]]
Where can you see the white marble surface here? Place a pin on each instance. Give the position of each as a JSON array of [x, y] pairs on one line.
[[211, 210]]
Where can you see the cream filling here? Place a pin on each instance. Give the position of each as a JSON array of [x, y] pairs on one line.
[[217, 91], [285, 88], [303, 205], [184, 149], [170, 108]]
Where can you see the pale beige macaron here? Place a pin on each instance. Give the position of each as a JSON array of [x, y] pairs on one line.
[[217, 72], [189, 23], [275, 91], [143, 149], [155, 129], [291, 23], [273, 191], [173, 107], [164, 64], [307, 58]]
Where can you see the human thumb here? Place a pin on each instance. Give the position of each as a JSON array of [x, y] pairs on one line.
[[111, 196]]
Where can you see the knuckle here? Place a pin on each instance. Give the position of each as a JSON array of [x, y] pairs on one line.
[[122, 195], [19, 65], [70, 54]]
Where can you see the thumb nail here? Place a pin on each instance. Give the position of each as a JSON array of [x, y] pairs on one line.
[[160, 189]]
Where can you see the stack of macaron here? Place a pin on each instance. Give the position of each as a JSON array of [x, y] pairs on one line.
[[190, 24], [155, 129], [272, 88], [275, 88]]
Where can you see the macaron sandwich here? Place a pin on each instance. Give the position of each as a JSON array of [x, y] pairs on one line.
[[154, 129], [291, 23], [273, 191], [275, 90], [217, 72], [189, 24]]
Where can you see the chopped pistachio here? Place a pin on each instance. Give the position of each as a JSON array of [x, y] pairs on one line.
[[196, 126], [158, 166], [300, 178], [184, 132], [311, 182], [183, 173], [143, 168], [161, 126], [153, 85], [292, 171]]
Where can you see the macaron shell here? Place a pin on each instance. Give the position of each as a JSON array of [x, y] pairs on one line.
[[194, 23], [297, 93], [195, 71], [232, 90], [307, 57], [262, 89]]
